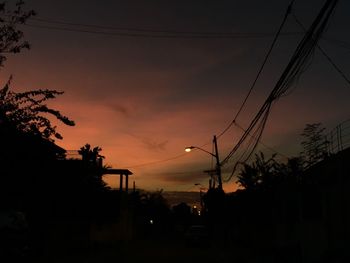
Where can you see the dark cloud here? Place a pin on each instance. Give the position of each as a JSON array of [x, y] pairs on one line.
[[153, 145], [150, 143], [120, 109]]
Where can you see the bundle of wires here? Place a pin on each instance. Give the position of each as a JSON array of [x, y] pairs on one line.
[[290, 75]]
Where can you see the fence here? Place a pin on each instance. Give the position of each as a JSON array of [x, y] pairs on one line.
[[73, 154], [338, 139]]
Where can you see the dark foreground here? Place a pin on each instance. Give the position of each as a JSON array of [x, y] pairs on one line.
[[144, 251]]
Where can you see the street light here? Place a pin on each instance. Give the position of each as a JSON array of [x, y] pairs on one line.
[[188, 149], [215, 155]]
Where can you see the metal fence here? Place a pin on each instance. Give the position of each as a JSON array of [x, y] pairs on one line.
[[338, 139], [73, 154]]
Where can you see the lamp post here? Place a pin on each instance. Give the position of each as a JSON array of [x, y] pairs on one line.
[[215, 155]]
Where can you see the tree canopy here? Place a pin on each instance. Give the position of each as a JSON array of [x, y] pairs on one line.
[[11, 38], [27, 112], [90, 154], [260, 172], [24, 111]]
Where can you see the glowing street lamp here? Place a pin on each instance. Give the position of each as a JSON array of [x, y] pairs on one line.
[[215, 155], [189, 149]]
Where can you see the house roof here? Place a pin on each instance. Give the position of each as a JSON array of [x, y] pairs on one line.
[[117, 171]]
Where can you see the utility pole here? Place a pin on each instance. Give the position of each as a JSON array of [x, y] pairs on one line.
[[217, 170], [218, 166]]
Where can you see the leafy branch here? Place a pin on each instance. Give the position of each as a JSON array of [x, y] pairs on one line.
[[25, 111]]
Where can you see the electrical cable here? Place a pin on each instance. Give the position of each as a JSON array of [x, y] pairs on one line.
[[263, 144], [330, 60], [141, 32], [156, 162], [299, 59], [289, 9], [150, 35], [136, 29], [339, 43]]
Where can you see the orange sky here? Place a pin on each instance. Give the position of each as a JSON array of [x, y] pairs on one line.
[[144, 100]]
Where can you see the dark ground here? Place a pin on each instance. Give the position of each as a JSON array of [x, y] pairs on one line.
[[145, 251]]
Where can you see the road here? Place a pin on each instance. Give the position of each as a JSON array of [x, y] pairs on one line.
[[155, 251]]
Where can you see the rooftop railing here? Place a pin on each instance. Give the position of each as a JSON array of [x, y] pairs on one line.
[[73, 155]]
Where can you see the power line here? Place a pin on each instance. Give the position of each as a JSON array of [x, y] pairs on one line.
[[52, 24], [299, 59], [137, 29], [156, 162], [339, 43], [258, 132], [323, 52], [262, 143], [188, 34], [260, 69], [149, 34], [163, 160]]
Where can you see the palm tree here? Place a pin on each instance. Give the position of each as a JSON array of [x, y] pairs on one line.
[[261, 173], [90, 154], [248, 177]]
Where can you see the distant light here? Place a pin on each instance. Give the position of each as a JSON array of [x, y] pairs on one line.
[[194, 207], [188, 149], [151, 222], [199, 212]]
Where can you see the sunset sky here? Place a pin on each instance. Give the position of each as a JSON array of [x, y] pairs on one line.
[[144, 99]]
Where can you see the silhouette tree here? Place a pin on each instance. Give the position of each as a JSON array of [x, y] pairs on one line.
[[314, 144], [182, 210], [91, 173], [155, 202], [26, 132], [26, 112], [292, 171], [213, 200], [249, 177], [261, 173], [28, 152], [154, 206], [11, 38], [90, 154], [181, 214]]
